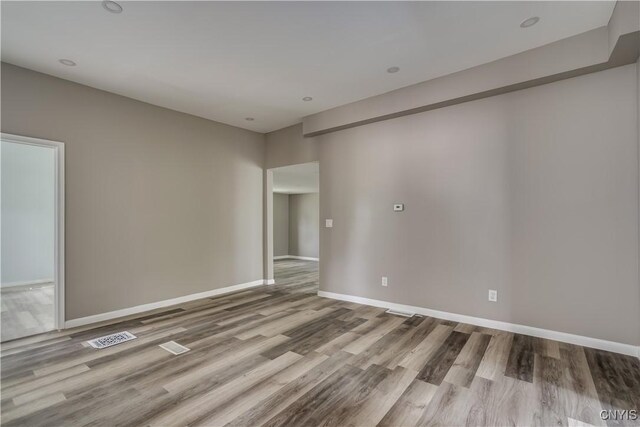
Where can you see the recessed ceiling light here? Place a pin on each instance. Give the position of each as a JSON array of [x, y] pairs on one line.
[[529, 22], [307, 98], [249, 119], [112, 6], [67, 62], [393, 70]]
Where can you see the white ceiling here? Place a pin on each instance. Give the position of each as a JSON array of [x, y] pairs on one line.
[[230, 60], [297, 179]]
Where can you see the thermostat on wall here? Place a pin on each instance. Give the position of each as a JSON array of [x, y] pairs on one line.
[[398, 207]]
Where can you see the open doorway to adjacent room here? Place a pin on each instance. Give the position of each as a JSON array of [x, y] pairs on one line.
[[32, 239], [296, 226]]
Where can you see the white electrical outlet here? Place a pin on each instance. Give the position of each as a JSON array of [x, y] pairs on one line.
[[328, 223], [384, 281], [493, 295]]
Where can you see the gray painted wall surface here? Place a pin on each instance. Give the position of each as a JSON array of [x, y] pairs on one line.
[[288, 147], [28, 213], [304, 211], [532, 193], [280, 224], [159, 204]]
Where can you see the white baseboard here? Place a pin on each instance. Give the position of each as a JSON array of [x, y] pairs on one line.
[[305, 258], [269, 281], [160, 304], [615, 347], [25, 283]]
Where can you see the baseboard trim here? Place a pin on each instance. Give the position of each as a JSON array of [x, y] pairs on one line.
[[612, 346], [305, 258], [160, 304], [25, 283], [270, 282]]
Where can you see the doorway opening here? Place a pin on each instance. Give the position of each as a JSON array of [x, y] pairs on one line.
[[32, 236], [295, 221]]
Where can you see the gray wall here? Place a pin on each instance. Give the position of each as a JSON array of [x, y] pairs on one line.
[[280, 224], [159, 204], [287, 147], [28, 213], [296, 224], [533, 193], [304, 211]]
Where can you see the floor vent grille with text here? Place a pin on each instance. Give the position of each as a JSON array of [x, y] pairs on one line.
[[113, 339]]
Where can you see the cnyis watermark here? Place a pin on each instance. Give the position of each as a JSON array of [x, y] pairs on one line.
[[619, 414]]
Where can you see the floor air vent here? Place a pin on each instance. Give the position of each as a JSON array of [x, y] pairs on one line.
[[400, 313], [113, 339], [174, 347]]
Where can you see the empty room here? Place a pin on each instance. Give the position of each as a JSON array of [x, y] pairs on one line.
[[320, 213]]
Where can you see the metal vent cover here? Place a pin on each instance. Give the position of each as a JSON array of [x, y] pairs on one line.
[[113, 339], [400, 313], [174, 348]]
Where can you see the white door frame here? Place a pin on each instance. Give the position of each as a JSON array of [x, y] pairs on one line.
[[58, 147]]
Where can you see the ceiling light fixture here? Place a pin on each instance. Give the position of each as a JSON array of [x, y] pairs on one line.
[[112, 6], [392, 70], [529, 22], [67, 62], [249, 119], [307, 98]]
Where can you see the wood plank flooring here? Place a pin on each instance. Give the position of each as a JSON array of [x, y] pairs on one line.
[[281, 355], [26, 310]]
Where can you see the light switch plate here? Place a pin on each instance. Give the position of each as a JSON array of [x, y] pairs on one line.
[[398, 207], [493, 295], [328, 223]]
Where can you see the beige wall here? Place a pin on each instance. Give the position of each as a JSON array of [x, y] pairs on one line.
[[287, 147], [304, 211], [280, 224], [159, 204], [532, 193]]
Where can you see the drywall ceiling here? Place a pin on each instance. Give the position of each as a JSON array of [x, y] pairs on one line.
[[227, 61], [297, 179]]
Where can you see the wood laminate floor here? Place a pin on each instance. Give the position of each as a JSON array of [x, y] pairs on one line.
[[281, 355], [26, 310]]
